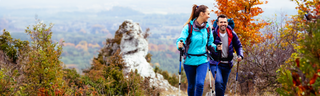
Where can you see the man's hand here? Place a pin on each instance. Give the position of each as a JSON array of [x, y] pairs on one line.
[[239, 58], [219, 47]]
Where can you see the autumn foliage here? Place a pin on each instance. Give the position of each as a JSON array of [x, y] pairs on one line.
[[286, 56], [300, 76], [244, 13]]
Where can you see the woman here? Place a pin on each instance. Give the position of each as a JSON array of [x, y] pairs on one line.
[[196, 44]]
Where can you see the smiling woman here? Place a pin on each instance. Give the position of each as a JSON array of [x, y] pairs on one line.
[[196, 38]]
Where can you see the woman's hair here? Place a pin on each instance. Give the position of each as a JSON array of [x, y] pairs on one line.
[[196, 11]]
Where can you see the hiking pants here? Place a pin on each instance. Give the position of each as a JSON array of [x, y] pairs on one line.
[[196, 76], [223, 72]]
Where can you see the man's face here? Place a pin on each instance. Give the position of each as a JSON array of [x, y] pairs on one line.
[[223, 23]]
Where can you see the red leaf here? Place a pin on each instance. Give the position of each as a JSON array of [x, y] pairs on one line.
[[294, 82], [313, 80], [298, 62], [295, 79]]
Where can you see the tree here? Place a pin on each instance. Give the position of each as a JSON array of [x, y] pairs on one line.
[[12, 47], [258, 68], [243, 13], [12, 53], [300, 74], [43, 70]]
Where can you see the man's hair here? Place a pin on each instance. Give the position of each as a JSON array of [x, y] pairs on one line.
[[222, 16]]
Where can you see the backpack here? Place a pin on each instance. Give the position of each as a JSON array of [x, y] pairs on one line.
[[230, 23], [188, 42]]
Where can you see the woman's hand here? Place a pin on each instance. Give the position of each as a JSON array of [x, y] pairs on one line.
[[180, 45]]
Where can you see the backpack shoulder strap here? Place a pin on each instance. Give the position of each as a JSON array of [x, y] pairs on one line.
[[208, 31], [188, 41], [215, 34]]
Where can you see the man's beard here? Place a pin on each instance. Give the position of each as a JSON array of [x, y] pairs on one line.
[[223, 28]]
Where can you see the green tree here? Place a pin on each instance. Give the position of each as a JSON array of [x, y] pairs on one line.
[[11, 70], [43, 70], [12, 47]]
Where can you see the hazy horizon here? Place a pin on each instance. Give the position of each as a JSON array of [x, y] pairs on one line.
[[144, 6]]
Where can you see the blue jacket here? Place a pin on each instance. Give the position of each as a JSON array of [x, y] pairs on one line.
[[233, 42], [198, 44]]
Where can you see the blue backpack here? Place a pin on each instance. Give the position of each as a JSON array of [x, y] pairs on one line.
[[230, 23]]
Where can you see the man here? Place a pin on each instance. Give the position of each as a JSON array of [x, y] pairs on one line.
[[224, 34]]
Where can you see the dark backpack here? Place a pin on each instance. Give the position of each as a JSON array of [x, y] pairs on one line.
[[188, 41]]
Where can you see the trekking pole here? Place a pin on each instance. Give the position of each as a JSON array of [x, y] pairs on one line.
[[210, 80], [235, 88], [219, 60], [211, 89], [181, 53]]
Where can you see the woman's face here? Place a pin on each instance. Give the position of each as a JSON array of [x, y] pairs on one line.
[[205, 15]]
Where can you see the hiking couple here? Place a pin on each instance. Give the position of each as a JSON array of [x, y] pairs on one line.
[[197, 39]]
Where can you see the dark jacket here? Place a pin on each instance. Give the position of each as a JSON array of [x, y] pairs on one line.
[[233, 42]]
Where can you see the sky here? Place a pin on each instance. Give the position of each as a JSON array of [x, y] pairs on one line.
[[145, 6]]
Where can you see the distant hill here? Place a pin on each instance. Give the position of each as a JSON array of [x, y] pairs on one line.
[[120, 12], [94, 27], [74, 21]]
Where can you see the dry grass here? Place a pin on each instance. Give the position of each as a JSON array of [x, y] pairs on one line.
[[171, 92]]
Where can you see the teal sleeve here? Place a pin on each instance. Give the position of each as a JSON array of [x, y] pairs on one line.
[[183, 36]]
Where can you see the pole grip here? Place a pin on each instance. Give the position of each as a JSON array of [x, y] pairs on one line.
[[181, 53], [237, 67]]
